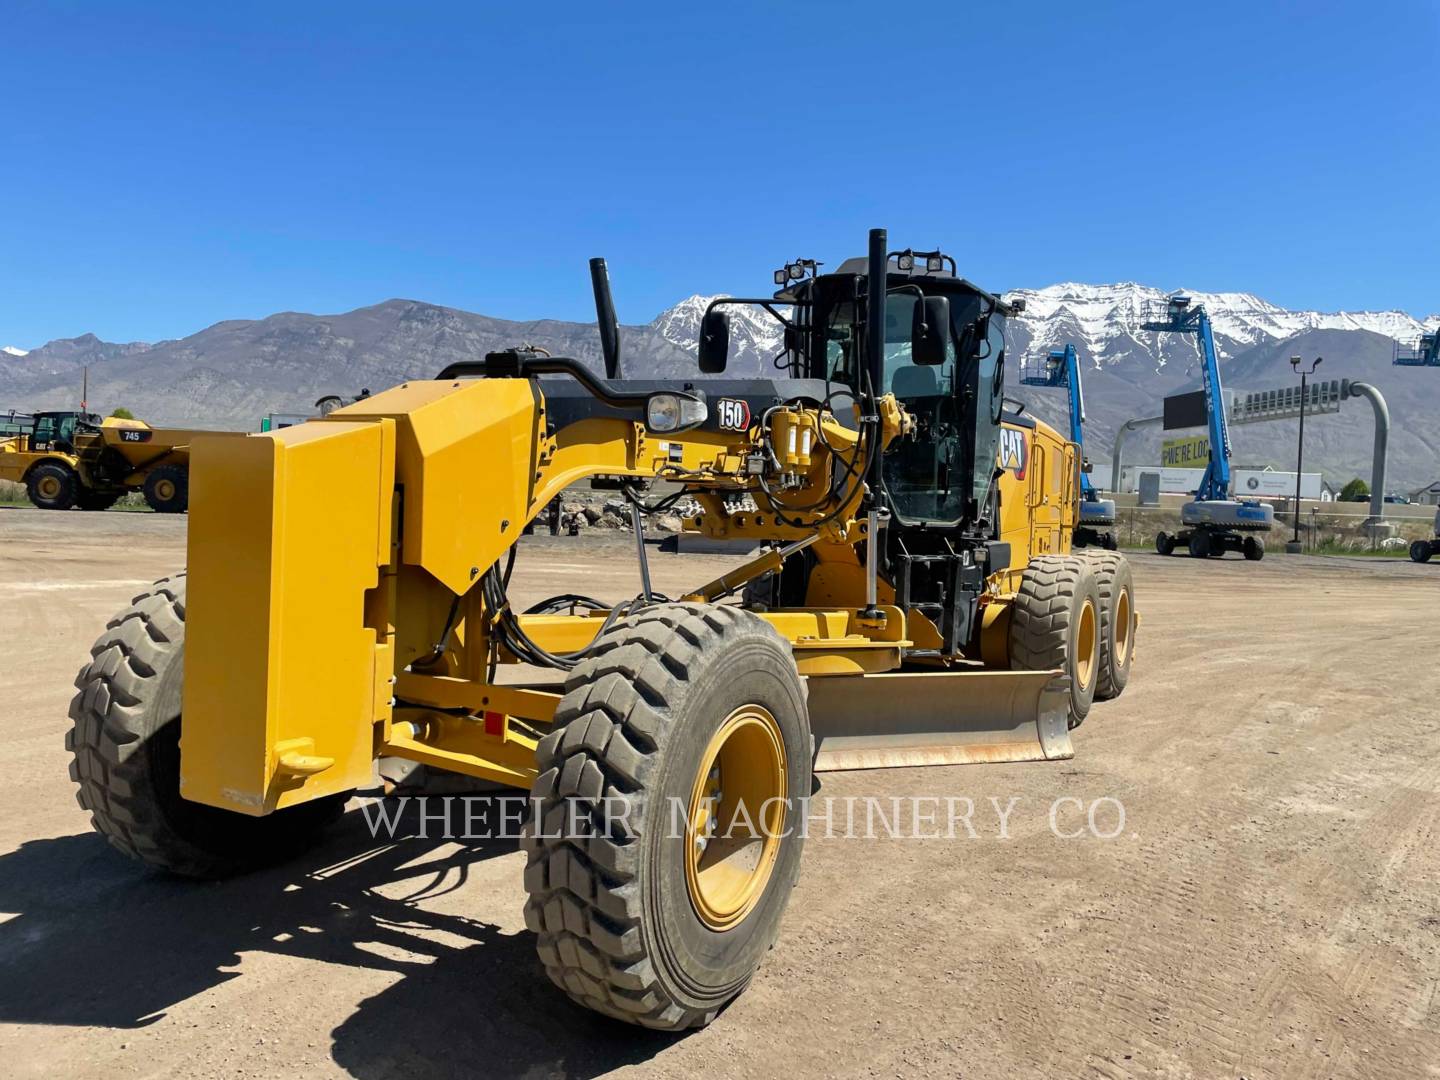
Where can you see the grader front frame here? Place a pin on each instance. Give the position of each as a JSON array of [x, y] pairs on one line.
[[346, 599]]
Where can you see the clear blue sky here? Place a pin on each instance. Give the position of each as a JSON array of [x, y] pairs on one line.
[[169, 165]]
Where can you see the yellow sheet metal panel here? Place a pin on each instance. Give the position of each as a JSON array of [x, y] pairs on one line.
[[466, 458], [1038, 492], [282, 674]]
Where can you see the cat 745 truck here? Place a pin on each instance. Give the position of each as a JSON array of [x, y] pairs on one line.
[[76, 459]]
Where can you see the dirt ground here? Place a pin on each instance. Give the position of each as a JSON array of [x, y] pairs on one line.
[[1268, 908]]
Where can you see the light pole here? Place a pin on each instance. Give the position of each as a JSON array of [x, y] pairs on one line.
[[1295, 547]]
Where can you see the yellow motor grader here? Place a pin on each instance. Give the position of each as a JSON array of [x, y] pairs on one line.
[[76, 459], [914, 602]]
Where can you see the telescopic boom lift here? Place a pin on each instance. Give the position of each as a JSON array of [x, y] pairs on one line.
[[1212, 523], [1062, 368]]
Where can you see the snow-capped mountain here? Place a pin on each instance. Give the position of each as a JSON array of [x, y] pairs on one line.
[[1103, 321], [234, 372], [11, 350]]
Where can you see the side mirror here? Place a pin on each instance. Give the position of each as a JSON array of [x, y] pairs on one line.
[[714, 341], [929, 331]]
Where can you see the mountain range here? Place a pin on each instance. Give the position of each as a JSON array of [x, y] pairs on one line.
[[233, 373]]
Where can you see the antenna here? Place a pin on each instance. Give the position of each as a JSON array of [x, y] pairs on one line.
[[605, 316]]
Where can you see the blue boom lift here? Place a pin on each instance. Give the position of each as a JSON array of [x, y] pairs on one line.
[[1424, 353], [1062, 368], [1213, 523]]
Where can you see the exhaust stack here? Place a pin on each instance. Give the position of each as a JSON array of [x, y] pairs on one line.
[[605, 316]]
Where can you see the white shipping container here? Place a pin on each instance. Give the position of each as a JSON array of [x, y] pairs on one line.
[[1172, 481], [1244, 483], [1270, 484]]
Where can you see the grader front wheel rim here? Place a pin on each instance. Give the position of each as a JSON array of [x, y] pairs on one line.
[[1086, 638], [736, 816]]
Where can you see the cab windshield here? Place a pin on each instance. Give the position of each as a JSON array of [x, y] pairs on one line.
[[925, 471], [949, 461]]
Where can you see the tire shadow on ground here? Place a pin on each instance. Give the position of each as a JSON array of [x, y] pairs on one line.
[[97, 941]]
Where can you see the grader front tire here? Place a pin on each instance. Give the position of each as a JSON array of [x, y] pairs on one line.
[[125, 746], [1055, 624], [628, 776]]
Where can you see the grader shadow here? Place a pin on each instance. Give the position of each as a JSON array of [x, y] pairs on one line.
[[95, 941]]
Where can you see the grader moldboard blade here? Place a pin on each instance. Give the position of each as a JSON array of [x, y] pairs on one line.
[[938, 718]]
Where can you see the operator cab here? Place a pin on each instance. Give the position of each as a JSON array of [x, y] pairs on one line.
[[944, 360], [56, 430]]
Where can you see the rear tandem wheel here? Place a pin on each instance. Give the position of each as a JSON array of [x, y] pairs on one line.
[[1055, 623], [1118, 621]]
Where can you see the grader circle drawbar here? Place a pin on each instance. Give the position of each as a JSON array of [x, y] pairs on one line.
[[915, 603]]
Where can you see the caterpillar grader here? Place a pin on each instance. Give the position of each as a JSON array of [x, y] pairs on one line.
[[913, 602], [76, 459]]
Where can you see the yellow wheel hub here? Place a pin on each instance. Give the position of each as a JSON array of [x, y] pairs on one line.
[[737, 813], [165, 490], [1122, 628], [1086, 639], [49, 486]]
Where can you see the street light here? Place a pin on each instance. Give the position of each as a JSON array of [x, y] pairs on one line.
[[1295, 547]]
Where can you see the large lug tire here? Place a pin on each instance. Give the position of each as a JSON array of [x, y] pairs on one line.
[[627, 923], [1118, 621], [1421, 550], [1055, 624], [125, 746], [52, 485], [1201, 544], [1164, 544], [1254, 548], [167, 489]]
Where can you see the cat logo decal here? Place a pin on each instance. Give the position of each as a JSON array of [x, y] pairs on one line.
[[1013, 451]]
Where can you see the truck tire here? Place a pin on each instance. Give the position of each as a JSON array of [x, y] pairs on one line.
[[1164, 543], [681, 712], [1201, 544], [52, 485], [1118, 620], [125, 747], [1254, 548], [1055, 624], [1421, 550], [167, 489]]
